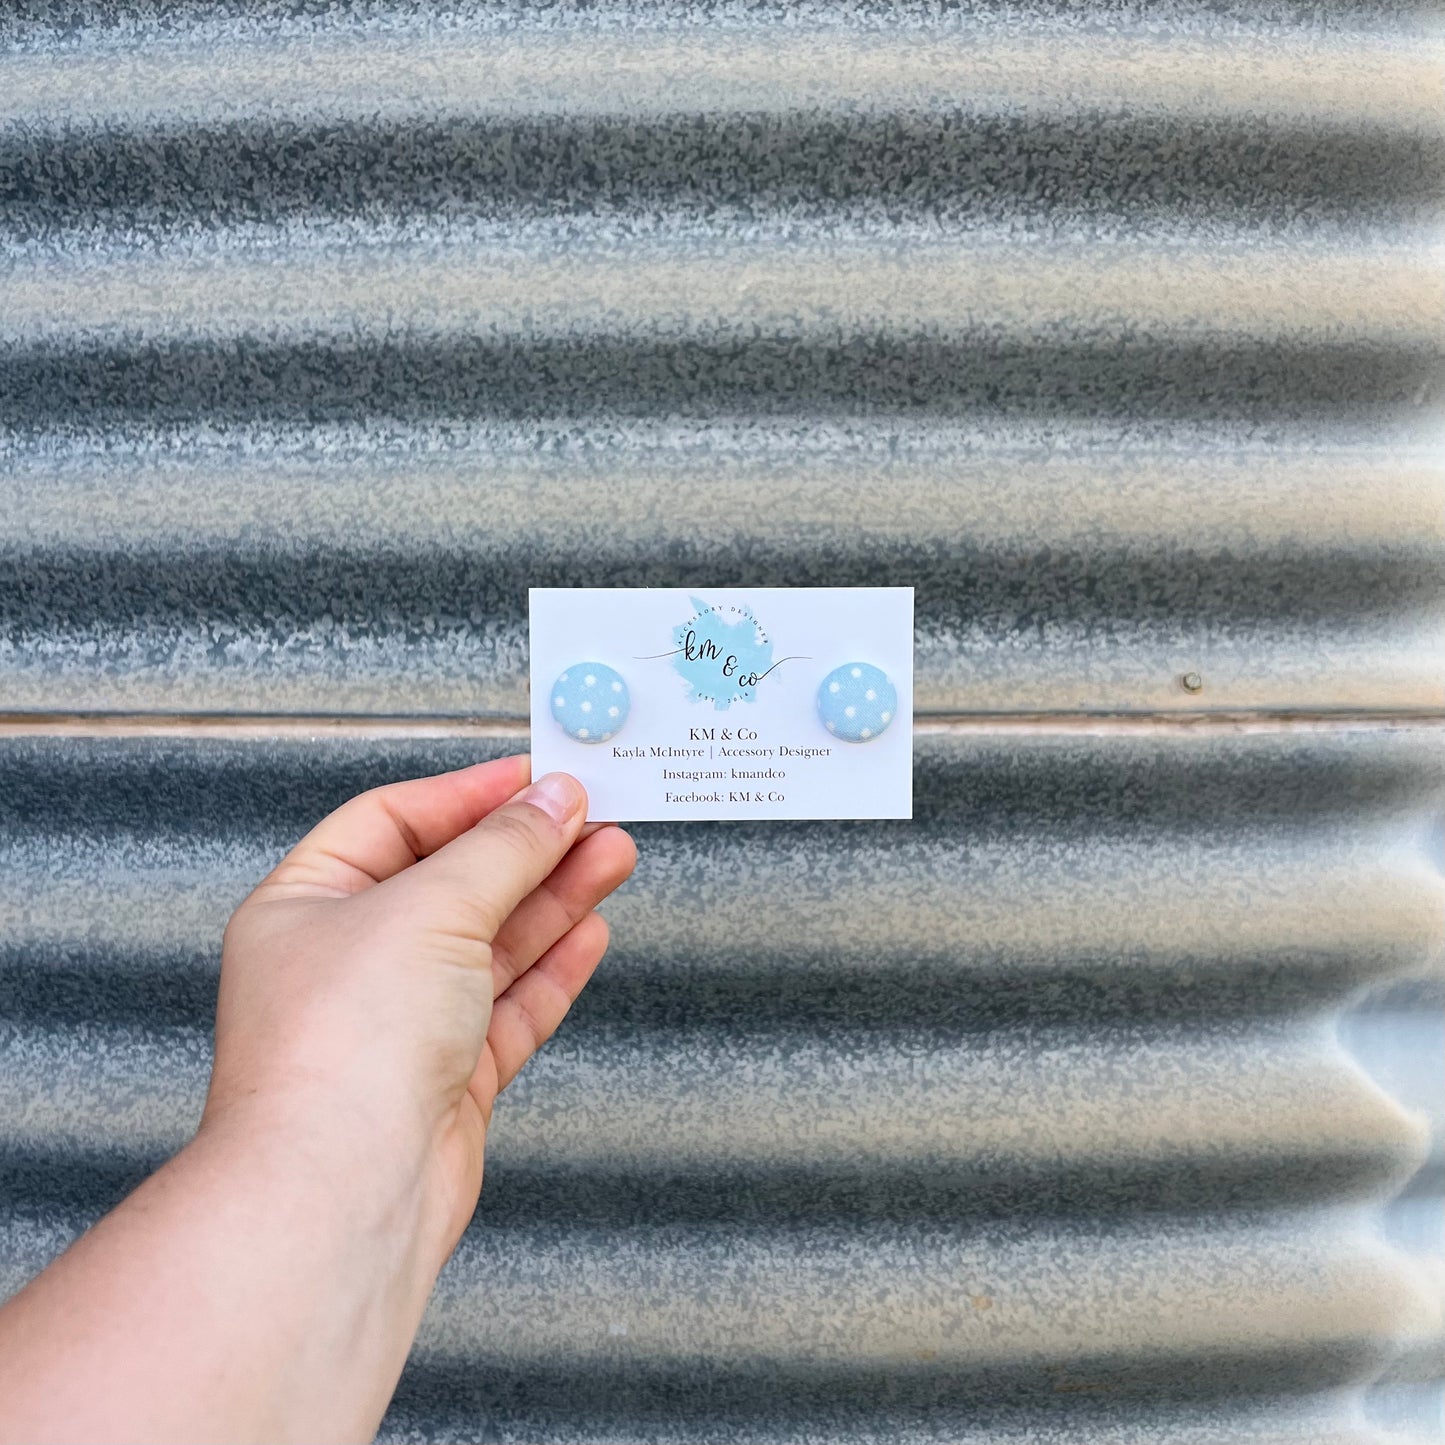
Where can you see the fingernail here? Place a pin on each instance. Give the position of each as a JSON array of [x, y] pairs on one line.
[[558, 795]]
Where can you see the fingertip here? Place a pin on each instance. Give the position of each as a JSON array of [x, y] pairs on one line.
[[597, 931], [492, 782], [624, 845], [559, 795], [518, 764], [611, 853]]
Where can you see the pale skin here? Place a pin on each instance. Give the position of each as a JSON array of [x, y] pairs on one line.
[[378, 990]]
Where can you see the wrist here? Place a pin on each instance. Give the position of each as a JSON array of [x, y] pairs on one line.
[[321, 1160], [259, 1243]]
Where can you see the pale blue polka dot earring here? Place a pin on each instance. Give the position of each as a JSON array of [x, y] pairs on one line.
[[857, 702], [590, 702]]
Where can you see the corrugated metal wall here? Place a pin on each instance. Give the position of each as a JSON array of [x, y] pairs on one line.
[[1102, 1102]]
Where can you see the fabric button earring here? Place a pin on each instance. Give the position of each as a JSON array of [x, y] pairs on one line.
[[590, 702], [856, 702]]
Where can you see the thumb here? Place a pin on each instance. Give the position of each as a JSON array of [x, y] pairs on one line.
[[475, 881]]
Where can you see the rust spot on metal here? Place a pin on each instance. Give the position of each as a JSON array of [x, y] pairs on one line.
[[1065, 1386]]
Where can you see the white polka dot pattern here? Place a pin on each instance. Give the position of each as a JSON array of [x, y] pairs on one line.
[[856, 702], [590, 702]]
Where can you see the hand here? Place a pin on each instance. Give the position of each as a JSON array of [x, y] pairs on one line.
[[377, 991], [406, 958]]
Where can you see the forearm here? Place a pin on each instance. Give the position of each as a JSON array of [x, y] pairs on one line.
[[253, 1289]]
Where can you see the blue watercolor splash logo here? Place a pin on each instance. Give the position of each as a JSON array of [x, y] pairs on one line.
[[722, 654]]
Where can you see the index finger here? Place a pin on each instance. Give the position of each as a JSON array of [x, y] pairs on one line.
[[378, 833]]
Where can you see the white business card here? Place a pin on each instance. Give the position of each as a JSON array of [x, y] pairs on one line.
[[726, 702]]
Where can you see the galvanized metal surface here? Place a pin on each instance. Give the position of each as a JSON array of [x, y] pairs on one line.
[[1030, 1115], [1100, 1103]]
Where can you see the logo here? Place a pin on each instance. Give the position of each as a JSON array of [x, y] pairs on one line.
[[722, 654]]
